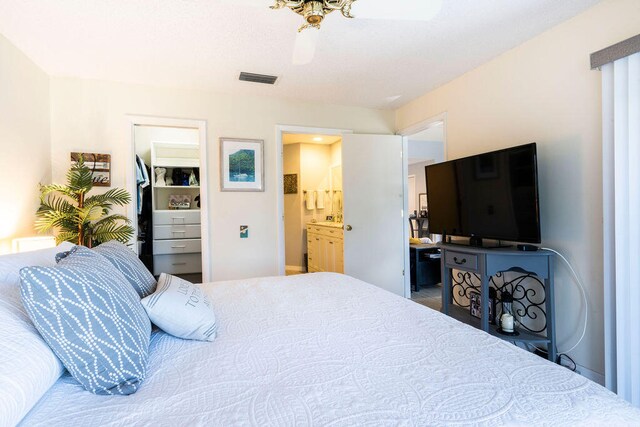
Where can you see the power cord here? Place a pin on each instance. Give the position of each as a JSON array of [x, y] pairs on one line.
[[584, 298]]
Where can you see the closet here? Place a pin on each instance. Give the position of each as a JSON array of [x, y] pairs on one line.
[[176, 210], [169, 212]]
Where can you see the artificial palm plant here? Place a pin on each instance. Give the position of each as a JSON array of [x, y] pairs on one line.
[[79, 218]]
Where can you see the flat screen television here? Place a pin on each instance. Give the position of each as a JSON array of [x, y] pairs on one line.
[[487, 196]]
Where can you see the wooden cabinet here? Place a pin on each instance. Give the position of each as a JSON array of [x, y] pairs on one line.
[[325, 248]]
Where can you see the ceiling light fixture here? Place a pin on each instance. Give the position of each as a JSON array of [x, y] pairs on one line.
[[317, 139], [314, 11]]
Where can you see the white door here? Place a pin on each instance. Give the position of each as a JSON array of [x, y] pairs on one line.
[[373, 185]]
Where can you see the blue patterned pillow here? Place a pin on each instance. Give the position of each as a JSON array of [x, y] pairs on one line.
[[92, 319], [125, 260]]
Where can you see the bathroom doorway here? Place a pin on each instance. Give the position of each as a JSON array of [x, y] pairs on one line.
[[312, 181]]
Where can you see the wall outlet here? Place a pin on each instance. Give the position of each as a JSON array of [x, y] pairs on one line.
[[244, 231]]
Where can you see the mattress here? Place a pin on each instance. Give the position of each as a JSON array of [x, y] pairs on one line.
[[329, 350]]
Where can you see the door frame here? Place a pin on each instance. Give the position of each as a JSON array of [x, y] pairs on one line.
[[280, 130], [406, 133], [201, 125]]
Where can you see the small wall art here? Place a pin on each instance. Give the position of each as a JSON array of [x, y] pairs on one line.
[[100, 165], [241, 164], [291, 183]]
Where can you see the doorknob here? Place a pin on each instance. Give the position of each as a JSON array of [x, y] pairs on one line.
[[349, 228]]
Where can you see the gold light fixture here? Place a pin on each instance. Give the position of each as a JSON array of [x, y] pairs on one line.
[[314, 11]]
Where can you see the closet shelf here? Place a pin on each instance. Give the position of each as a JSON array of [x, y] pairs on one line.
[[176, 186]]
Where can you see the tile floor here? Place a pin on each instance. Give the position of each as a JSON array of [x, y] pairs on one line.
[[431, 296]]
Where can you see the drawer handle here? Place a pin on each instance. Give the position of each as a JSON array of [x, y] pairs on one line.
[[331, 243], [178, 231], [459, 262], [178, 247], [317, 238], [179, 263]]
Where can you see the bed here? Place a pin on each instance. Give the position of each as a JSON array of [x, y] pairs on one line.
[[328, 350]]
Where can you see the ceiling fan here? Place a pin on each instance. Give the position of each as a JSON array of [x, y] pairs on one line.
[[315, 11]]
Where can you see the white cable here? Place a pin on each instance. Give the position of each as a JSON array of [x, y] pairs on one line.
[[584, 297]]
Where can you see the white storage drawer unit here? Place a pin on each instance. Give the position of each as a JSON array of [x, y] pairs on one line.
[[177, 233], [163, 232], [176, 217], [178, 246], [178, 263]]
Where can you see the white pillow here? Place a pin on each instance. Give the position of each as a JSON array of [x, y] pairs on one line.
[[28, 367], [181, 309]]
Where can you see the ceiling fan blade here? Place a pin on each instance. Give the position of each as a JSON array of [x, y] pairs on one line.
[[422, 10], [305, 46]]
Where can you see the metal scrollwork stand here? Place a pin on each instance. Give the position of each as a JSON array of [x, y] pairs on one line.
[[526, 276]]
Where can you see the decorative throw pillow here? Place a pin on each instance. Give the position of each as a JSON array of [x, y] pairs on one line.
[[125, 260], [181, 309], [92, 319]]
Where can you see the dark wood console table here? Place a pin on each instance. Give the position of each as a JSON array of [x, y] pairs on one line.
[[535, 269]]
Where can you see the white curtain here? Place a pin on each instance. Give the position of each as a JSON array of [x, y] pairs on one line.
[[621, 177]]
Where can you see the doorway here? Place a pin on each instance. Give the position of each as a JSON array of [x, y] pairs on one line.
[[312, 166], [373, 228], [425, 145], [168, 178]]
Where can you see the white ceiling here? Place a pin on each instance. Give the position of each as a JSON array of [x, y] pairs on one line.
[[204, 44]]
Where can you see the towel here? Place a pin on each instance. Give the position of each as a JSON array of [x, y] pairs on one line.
[[320, 200], [310, 200]]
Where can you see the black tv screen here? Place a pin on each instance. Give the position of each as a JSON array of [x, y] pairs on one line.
[[487, 196]]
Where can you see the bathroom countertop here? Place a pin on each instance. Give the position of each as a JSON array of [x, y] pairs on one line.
[[327, 224]]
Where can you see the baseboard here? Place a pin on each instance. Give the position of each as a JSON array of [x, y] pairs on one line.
[[297, 268], [588, 373]]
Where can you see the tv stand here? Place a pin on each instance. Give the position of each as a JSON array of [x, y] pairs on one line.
[[532, 289]]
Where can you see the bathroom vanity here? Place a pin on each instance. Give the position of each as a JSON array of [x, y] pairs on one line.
[[325, 247]]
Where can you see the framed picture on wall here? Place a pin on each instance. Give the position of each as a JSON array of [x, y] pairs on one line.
[[100, 165], [422, 202], [241, 164]]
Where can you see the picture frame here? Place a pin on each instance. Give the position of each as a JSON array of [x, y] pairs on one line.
[[475, 304], [241, 164], [100, 165], [291, 183], [422, 202]]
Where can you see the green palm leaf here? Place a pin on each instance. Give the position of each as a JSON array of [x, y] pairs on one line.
[[116, 196], [106, 232], [80, 220]]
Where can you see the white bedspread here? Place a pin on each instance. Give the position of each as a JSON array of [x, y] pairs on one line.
[[328, 350]]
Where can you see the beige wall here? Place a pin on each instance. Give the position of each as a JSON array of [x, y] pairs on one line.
[[25, 150], [91, 115], [544, 91], [293, 229]]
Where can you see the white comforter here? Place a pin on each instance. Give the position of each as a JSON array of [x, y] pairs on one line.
[[329, 350]]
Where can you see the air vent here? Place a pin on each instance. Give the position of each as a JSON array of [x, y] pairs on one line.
[[258, 78]]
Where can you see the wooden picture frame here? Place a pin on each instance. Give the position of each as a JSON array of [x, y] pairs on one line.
[[100, 165], [290, 183], [241, 164]]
